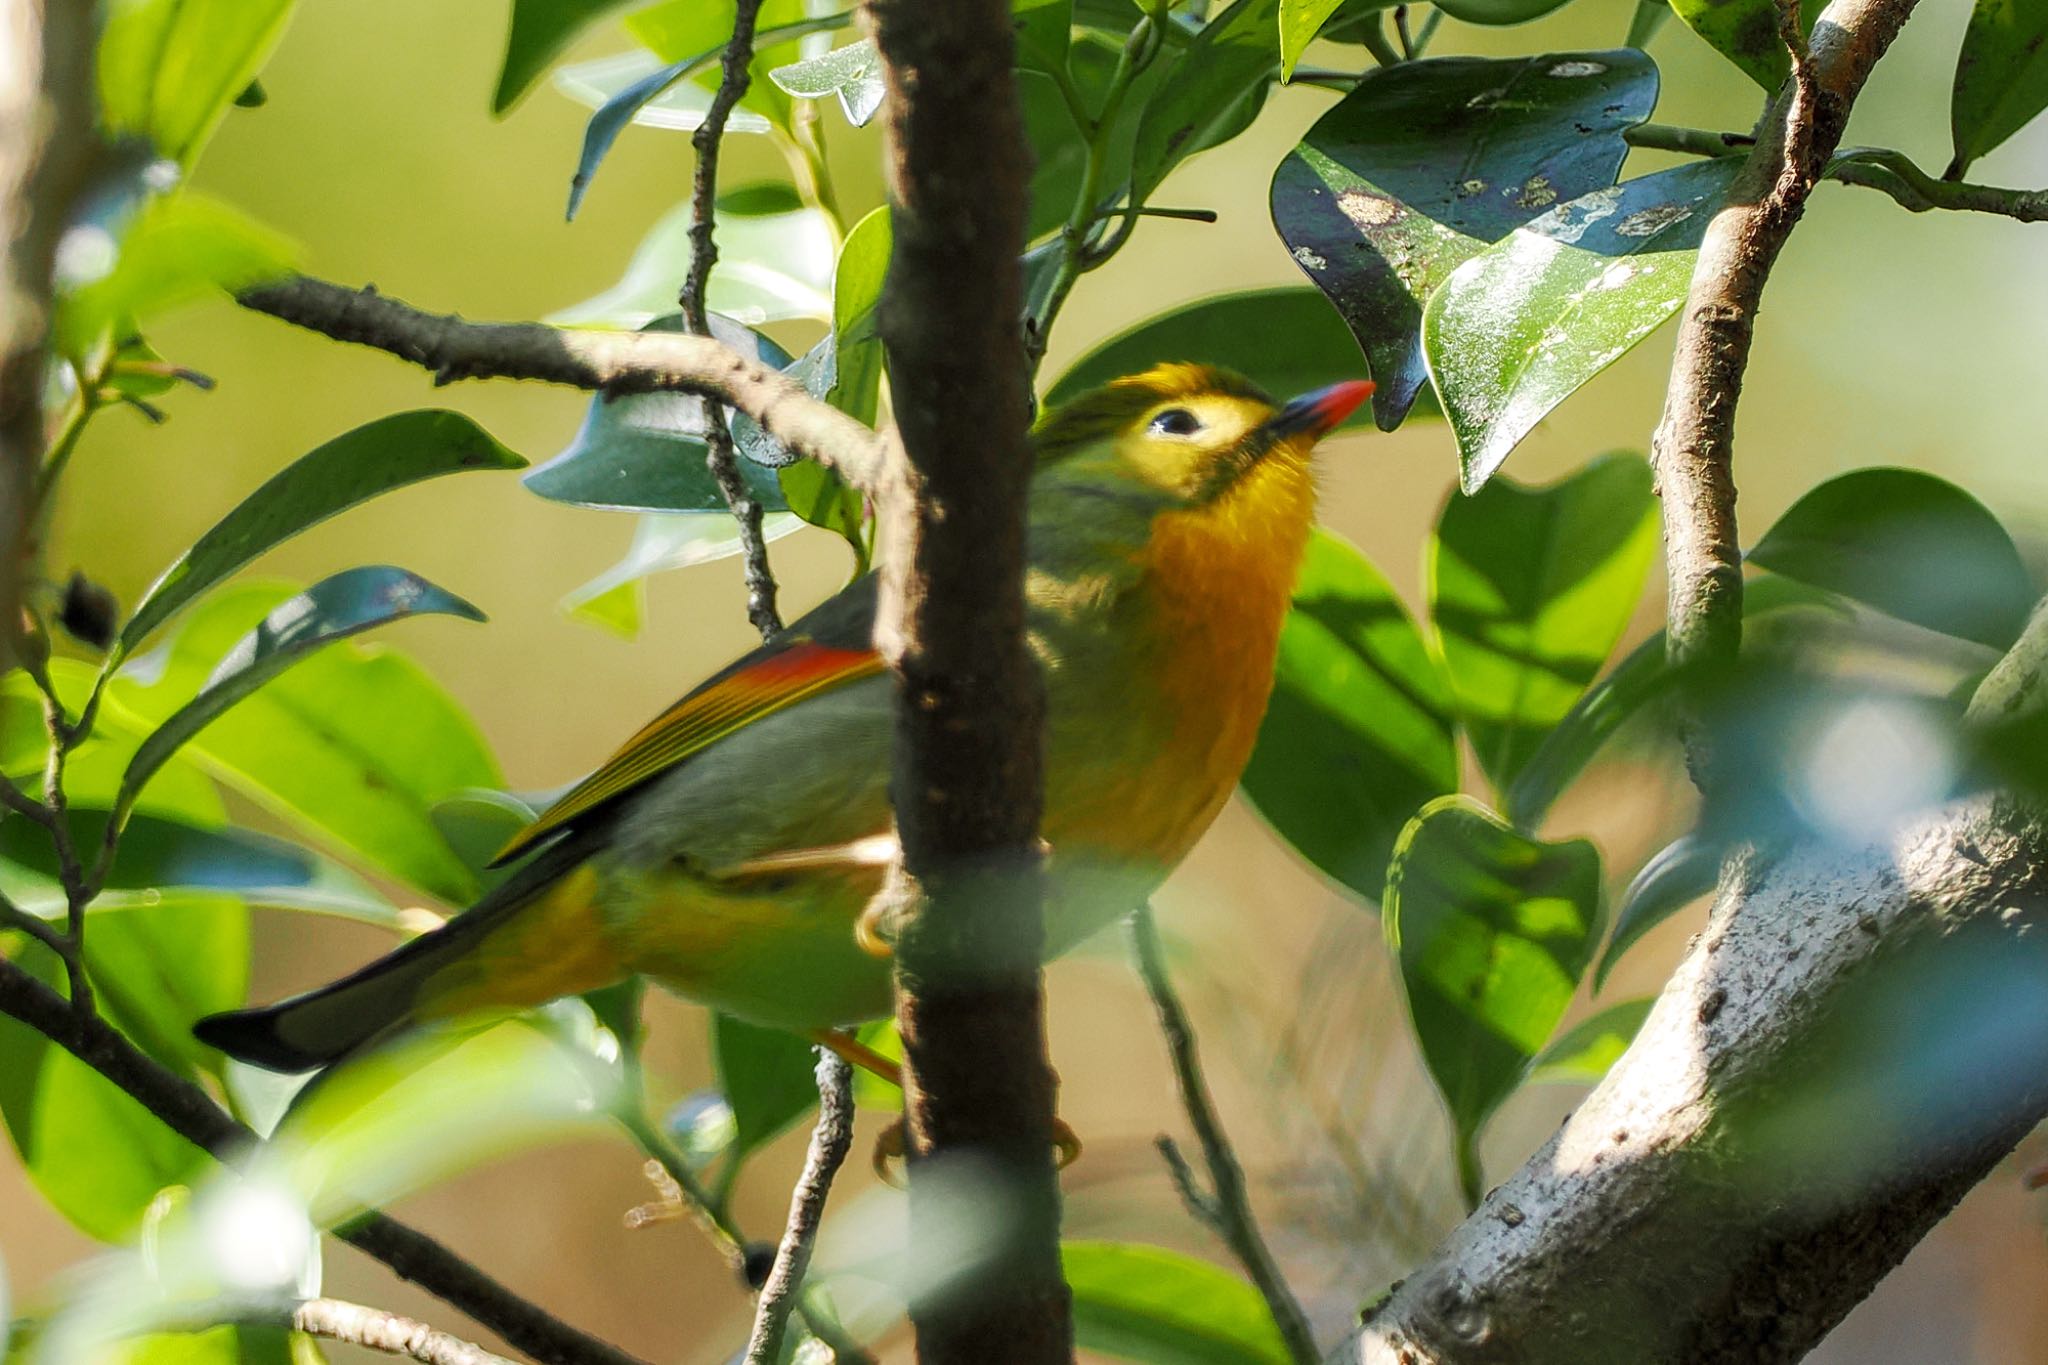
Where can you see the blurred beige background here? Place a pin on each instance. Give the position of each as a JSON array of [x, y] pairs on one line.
[[1888, 338]]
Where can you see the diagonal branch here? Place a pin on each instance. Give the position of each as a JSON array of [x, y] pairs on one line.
[[609, 362], [1693, 449], [185, 1108], [830, 1141], [351, 1324], [719, 455]]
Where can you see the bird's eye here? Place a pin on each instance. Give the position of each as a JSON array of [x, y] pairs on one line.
[[1175, 422]]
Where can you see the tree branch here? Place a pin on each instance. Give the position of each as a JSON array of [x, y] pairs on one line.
[[186, 1109], [1854, 1041], [610, 362], [1693, 449], [719, 455], [1895, 174], [967, 778], [351, 1324], [1228, 1213], [830, 1141]]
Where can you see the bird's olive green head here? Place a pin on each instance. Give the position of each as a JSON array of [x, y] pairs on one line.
[[1185, 435]]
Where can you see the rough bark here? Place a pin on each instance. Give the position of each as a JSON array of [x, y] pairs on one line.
[[1855, 1040], [45, 149], [964, 902]]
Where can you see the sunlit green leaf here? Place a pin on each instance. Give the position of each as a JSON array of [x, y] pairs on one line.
[[1424, 163], [1529, 588], [1358, 734], [1584, 1053], [1746, 33], [852, 74], [1300, 21], [767, 1076], [1519, 327], [353, 746], [1493, 930], [169, 69], [869, 1090], [175, 248], [1909, 544], [2001, 75], [856, 290], [388, 453], [1287, 340], [1145, 1303]]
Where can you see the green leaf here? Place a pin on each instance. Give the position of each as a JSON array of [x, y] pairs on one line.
[[1493, 931], [1583, 1055], [541, 32], [1623, 692], [825, 500], [1300, 21], [869, 1090], [1499, 11], [1358, 733], [1911, 545], [1286, 340], [175, 249], [2001, 76], [771, 267], [644, 452], [1518, 328], [767, 1075], [852, 74], [1146, 1303], [1746, 33], [1044, 32], [388, 453], [348, 603], [97, 1155], [1675, 876], [1529, 588], [1424, 163], [353, 746], [679, 28], [1212, 93], [662, 543], [856, 291], [169, 69]]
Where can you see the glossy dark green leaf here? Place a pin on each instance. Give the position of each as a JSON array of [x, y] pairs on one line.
[[1911, 545], [1493, 930], [2006, 728], [1746, 33], [1584, 1053], [541, 32], [1424, 163], [1529, 588], [771, 267], [644, 452], [1518, 328], [2001, 76], [1145, 1303], [1211, 92], [353, 746], [169, 69], [1675, 876], [767, 1076], [1359, 732], [1287, 341], [172, 250], [388, 453], [851, 74]]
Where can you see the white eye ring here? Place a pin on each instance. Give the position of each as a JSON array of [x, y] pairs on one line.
[[1175, 422]]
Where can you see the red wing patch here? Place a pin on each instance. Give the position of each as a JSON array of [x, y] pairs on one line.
[[802, 668]]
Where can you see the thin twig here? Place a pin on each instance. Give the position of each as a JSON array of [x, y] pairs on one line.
[[830, 1141], [1665, 137], [720, 457], [1895, 174], [1229, 1210], [351, 1324], [190, 1112], [609, 362]]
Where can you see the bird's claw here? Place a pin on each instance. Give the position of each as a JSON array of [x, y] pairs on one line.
[[892, 1144]]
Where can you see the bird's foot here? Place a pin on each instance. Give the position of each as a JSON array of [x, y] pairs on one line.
[[669, 1204], [892, 1144]]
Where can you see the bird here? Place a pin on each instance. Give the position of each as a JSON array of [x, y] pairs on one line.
[[729, 849]]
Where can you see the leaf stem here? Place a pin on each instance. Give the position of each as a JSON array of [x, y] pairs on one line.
[[1895, 174], [1665, 137]]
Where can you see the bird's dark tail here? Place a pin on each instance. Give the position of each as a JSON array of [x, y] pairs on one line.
[[323, 1025]]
